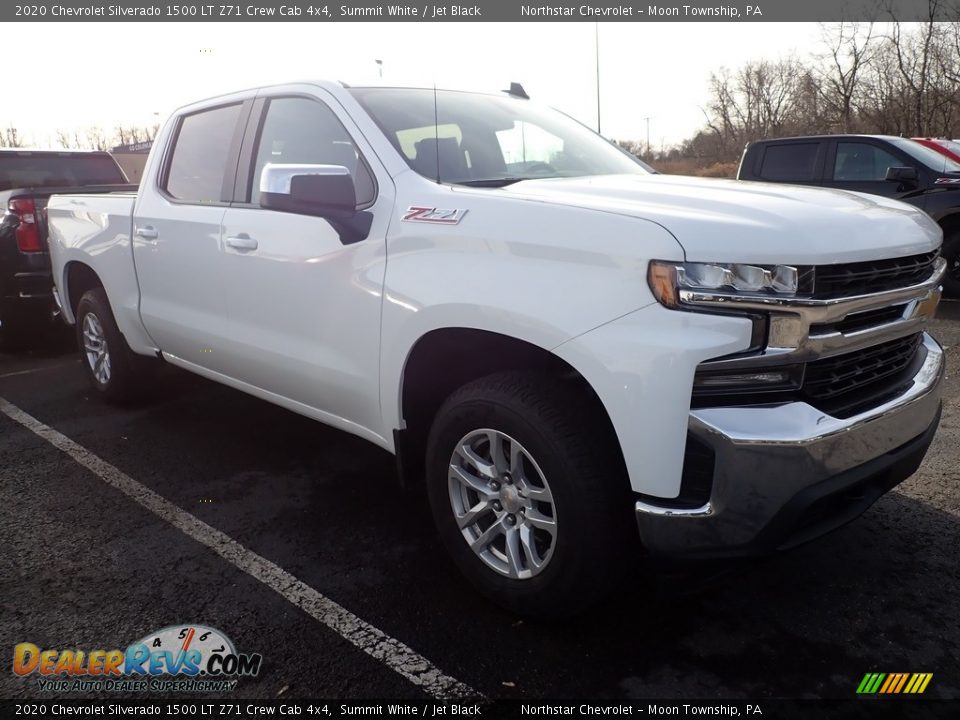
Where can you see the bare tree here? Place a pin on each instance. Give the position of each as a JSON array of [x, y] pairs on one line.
[[849, 51], [11, 138], [916, 54], [761, 98]]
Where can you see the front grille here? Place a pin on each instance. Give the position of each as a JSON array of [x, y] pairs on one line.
[[861, 278], [845, 384]]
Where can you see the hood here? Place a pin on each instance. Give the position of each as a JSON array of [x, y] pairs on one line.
[[750, 222]]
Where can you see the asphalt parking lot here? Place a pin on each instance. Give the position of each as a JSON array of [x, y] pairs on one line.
[[86, 565]]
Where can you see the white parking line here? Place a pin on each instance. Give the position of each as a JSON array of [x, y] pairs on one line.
[[391, 652], [31, 370]]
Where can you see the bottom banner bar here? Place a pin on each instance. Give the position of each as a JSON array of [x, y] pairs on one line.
[[874, 708]]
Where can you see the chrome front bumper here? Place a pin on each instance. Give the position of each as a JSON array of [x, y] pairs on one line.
[[786, 474]]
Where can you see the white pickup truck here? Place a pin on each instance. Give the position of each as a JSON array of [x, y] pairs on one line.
[[581, 360]]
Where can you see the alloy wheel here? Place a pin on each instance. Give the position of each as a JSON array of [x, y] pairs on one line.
[[502, 504], [96, 349]]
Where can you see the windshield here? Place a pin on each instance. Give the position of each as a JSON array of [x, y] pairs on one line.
[[32, 169], [475, 139], [950, 145], [929, 157]]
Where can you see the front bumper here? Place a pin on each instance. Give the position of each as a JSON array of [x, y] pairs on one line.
[[789, 473]]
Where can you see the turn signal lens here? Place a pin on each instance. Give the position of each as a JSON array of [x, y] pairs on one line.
[[662, 278]]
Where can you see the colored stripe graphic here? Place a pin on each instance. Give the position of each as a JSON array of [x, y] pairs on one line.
[[894, 683], [891, 678]]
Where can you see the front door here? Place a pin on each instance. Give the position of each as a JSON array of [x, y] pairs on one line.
[[303, 305]]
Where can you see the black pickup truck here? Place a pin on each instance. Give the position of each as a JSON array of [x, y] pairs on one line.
[[876, 164], [27, 180]]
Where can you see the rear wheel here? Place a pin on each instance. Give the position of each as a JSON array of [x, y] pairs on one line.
[[116, 372], [529, 495], [951, 252]]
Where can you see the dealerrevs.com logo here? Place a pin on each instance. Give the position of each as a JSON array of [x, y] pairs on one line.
[[184, 658]]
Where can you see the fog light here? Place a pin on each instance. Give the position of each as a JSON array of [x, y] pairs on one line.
[[710, 381], [772, 377]]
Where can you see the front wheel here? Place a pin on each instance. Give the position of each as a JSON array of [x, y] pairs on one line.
[[529, 494], [115, 371]]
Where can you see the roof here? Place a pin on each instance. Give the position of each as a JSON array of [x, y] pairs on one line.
[[833, 137]]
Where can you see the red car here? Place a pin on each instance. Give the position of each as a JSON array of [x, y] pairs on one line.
[[950, 148]]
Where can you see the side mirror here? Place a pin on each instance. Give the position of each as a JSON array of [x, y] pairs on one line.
[[902, 174], [320, 190]]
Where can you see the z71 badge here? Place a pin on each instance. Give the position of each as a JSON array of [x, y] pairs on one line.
[[415, 213]]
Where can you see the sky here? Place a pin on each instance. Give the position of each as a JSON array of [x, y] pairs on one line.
[[105, 74]]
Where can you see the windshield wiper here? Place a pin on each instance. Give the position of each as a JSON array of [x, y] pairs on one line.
[[495, 182]]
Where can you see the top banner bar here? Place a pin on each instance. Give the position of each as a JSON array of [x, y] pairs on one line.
[[482, 11]]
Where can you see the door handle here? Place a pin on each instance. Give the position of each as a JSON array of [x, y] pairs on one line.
[[244, 243], [147, 232]]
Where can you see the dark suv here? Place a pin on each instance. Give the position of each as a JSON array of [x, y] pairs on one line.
[[877, 164]]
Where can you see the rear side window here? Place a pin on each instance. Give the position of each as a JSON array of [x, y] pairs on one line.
[[862, 161], [199, 160], [790, 162]]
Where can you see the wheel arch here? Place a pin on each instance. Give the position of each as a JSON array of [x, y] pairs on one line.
[[950, 221], [444, 359], [78, 278]]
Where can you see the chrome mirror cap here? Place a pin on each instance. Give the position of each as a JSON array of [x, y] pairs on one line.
[[276, 178]]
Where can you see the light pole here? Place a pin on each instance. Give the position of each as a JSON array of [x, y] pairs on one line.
[[647, 119], [380, 67]]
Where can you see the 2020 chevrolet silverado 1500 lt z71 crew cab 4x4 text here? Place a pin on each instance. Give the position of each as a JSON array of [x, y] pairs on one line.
[[27, 179], [564, 345]]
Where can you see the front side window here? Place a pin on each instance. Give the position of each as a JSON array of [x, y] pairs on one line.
[[862, 162], [200, 155], [305, 131]]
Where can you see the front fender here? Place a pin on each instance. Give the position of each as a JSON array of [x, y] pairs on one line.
[[642, 366], [558, 273]]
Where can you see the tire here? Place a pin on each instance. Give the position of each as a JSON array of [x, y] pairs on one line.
[[951, 252], [562, 446], [115, 372]]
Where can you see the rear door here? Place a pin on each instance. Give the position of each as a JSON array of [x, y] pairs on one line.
[[176, 229]]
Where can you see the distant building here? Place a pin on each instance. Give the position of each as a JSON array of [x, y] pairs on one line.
[[132, 158]]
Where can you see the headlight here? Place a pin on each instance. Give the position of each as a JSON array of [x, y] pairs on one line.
[[668, 278]]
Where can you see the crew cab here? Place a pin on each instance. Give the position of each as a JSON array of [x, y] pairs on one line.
[[896, 167], [578, 359], [27, 179]]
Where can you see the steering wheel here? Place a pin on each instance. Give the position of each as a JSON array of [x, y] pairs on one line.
[[540, 167]]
